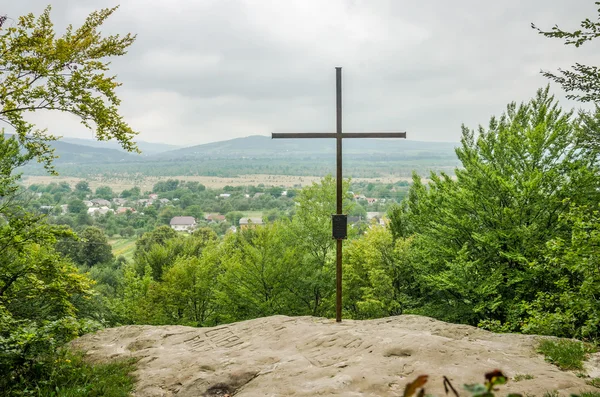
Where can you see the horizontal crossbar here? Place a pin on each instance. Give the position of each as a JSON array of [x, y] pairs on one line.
[[279, 135]]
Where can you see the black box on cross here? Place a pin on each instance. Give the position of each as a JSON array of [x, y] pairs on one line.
[[339, 225]]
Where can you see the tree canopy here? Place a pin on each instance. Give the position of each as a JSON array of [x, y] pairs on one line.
[[43, 296], [478, 241], [40, 70]]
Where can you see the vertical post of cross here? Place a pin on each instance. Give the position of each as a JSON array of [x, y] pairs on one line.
[[339, 198]]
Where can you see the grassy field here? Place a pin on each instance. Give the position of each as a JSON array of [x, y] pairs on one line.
[[146, 183], [123, 247], [253, 214]]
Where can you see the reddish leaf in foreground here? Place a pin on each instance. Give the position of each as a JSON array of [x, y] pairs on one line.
[[412, 387], [496, 377]]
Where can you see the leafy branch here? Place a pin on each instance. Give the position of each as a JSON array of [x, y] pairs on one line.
[[582, 78], [39, 71]]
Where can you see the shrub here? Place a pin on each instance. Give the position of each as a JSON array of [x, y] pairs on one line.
[[564, 353], [66, 374]]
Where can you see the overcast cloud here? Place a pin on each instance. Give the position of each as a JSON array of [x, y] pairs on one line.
[[207, 70]]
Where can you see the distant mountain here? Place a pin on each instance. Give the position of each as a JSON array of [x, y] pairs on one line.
[[147, 148], [83, 151], [259, 155], [70, 153], [258, 146]]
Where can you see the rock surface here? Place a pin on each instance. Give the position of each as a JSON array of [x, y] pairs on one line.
[[307, 356]]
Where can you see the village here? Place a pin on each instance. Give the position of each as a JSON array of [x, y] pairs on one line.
[[187, 206]]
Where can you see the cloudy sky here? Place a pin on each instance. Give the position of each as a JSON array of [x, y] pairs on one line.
[[208, 70]]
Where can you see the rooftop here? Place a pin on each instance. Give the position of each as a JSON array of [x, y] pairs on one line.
[[183, 220]]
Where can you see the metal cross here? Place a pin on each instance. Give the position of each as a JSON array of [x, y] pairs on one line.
[[339, 135]]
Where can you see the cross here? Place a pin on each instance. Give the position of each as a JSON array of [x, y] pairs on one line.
[[339, 221]]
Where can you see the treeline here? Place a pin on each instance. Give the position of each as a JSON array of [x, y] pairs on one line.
[[283, 267], [358, 168]]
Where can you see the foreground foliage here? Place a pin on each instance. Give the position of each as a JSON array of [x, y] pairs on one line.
[[564, 353], [45, 300], [69, 375], [489, 388], [40, 290]]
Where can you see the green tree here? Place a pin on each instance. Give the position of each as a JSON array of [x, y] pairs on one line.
[[41, 70], [186, 200], [275, 191], [188, 291], [84, 219], [151, 212], [165, 186], [359, 210], [58, 197], [132, 193], [166, 214], [156, 259], [172, 280], [272, 215], [582, 82], [371, 276], [105, 192], [46, 199], [76, 206], [256, 277], [195, 211], [128, 231], [40, 290], [160, 236], [160, 256], [310, 232], [37, 285], [474, 238], [63, 220], [90, 249], [205, 235], [83, 187], [135, 305], [195, 187], [234, 217], [570, 306], [64, 187]]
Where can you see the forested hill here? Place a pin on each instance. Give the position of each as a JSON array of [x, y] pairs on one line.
[[69, 153], [258, 146], [147, 148], [257, 155]]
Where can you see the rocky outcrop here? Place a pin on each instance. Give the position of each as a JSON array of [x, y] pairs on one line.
[[306, 356]]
